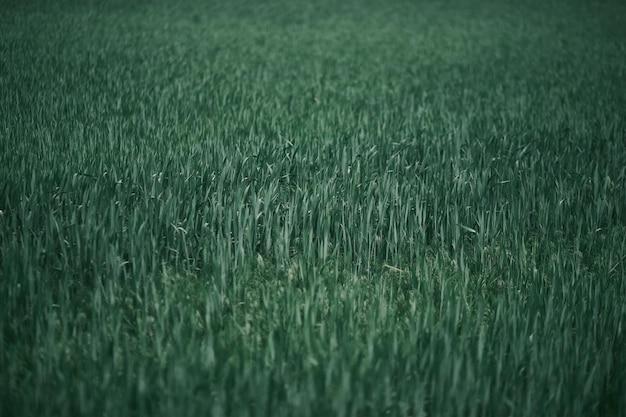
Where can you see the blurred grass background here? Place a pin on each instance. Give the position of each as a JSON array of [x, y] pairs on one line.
[[293, 208]]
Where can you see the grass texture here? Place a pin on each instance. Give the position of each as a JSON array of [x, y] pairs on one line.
[[290, 208]]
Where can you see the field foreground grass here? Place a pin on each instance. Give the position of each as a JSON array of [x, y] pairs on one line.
[[295, 209]]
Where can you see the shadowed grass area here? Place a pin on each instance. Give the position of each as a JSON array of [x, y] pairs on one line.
[[294, 208]]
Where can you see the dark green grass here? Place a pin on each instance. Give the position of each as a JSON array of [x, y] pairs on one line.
[[286, 208]]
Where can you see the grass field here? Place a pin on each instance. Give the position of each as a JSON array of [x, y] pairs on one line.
[[290, 208]]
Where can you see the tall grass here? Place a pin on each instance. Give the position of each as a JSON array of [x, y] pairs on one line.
[[296, 209]]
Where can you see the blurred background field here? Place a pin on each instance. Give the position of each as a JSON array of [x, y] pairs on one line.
[[307, 208]]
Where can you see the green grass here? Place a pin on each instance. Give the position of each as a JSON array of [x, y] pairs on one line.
[[297, 209]]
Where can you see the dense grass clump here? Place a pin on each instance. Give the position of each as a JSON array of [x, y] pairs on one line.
[[308, 209]]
